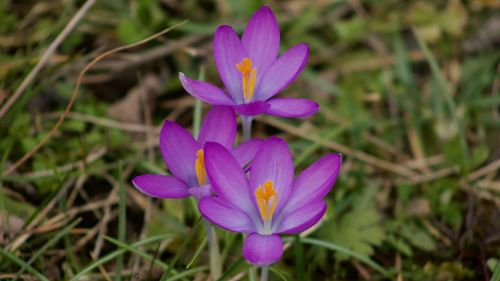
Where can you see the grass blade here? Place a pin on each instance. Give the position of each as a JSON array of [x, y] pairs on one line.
[[158, 262], [231, 269], [188, 273], [299, 262], [122, 220], [118, 252], [21, 263], [136, 251], [448, 99], [277, 272], [197, 253], [496, 273], [47, 245], [346, 251], [181, 249]]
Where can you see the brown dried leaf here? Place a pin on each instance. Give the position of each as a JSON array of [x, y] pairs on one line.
[[130, 108]]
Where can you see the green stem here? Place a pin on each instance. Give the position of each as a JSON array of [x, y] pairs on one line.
[[214, 252], [264, 274], [197, 108], [298, 258], [246, 123]]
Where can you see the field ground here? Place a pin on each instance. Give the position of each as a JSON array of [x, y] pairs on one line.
[[409, 94]]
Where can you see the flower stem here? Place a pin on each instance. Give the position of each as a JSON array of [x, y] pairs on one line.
[[198, 108], [246, 123], [264, 274], [214, 253]]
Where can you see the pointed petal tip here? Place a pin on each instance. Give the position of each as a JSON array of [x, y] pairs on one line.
[[167, 125], [303, 218], [261, 37], [263, 11], [184, 80], [337, 155], [292, 107], [224, 28], [283, 71], [337, 158], [204, 91], [304, 46], [265, 7], [210, 145], [160, 186]]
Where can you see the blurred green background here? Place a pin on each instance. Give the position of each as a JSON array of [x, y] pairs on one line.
[[409, 94]]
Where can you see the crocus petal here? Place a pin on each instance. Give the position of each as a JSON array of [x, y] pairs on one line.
[[204, 91], [226, 217], [201, 191], [219, 126], [273, 162], [179, 151], [161, 186], [228, 52], [245, 152], [252, 108], [314, 182], [290, 107], [282, 72], [262, 250], [227, 177], [261, 38], [302, 218]]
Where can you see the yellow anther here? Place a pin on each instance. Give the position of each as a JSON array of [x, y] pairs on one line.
[[199, 167], [267, 199], [249, 75]]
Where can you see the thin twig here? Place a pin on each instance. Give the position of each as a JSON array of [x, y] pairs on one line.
[[67, 167], [46, 56], [360, 155], [74, 95], [40, 216], [495, 165], [106, 122], [432, 176]]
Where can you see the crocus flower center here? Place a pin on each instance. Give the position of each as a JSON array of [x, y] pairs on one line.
[[249, 75], [267, 198], [199, 167]]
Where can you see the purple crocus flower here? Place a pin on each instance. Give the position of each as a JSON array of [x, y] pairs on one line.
[[252, 72], [271, 201], [185, 158]]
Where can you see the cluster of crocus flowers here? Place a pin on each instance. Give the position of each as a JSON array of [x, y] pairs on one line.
[[250, 188]]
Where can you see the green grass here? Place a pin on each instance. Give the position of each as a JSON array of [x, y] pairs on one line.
[[409, 94]]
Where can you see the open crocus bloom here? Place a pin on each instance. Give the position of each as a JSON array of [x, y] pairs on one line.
[[271, 201], [252, 71], [185, 158]]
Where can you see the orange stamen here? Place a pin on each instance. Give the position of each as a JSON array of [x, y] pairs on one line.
[[199, 167], [249, 75], [263, 197]]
